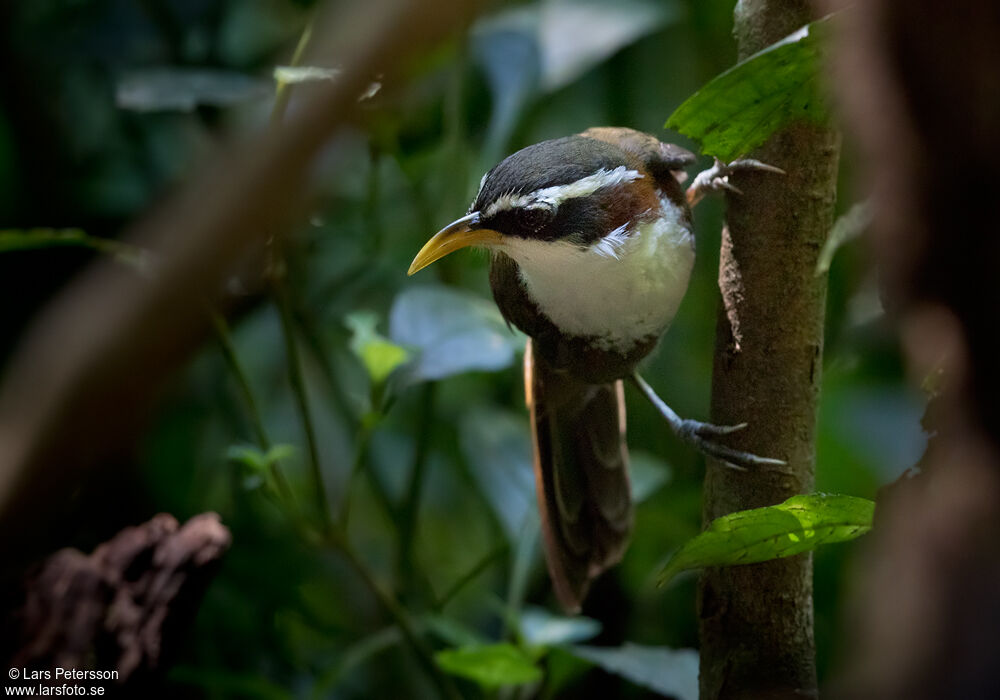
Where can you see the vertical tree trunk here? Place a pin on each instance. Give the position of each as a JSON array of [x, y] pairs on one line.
[[925, 615], [757, 620]]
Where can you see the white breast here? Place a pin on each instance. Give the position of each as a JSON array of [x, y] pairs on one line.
[[621, 289]]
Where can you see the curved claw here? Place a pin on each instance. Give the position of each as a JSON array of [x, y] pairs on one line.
[[754, 164], [710, 429], [733, 458], [702, 436], [716, 178]]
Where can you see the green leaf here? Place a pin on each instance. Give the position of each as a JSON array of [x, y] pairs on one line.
[[800, 524], [44, 238], [453, 331], [739, 109], [290, 75], [258, 463], [647, 474], [379, 356], [846, 228], [490, 666], [539, 627], [671, 672], [497, 447]]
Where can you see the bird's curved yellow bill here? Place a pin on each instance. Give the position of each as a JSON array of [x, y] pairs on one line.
[[458, 234]]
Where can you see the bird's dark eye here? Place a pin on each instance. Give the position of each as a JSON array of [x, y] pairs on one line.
[[533, 219]]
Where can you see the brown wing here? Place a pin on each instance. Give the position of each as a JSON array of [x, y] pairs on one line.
[[665, 161], [581, 475]]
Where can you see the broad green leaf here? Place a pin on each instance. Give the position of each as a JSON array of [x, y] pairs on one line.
[[573, 36], [491, 666], [452, 331], [739, 109], [43, 238], [497, 446], [798, 525], [539, 627], [671, 672], [846, 228], [379, 356]]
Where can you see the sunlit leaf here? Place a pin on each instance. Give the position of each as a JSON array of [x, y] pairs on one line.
[[490, 666], [541, 628], [800, 524], [176, 89], [43, 238], [291, 75], [509, 56], [576, 35], [451, 331], [670, 672], [379, 356], [846, 228], [739, 109], [497, 446]]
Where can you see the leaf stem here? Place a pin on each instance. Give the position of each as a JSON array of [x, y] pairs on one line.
[[280, 293], [337, 540], [283, 91], [225, 338], [469, 576], [411, 504]]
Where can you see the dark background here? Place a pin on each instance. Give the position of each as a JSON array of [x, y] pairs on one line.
[[281, 617]]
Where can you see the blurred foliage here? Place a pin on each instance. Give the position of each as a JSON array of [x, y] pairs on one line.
[[415, 402]]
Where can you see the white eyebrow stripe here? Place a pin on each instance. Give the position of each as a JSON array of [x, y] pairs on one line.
[[552, 197]]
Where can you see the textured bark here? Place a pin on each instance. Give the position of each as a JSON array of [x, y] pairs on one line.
[[756, 621], [123, 607]]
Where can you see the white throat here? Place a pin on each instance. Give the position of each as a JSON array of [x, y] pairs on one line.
[[621, 289]]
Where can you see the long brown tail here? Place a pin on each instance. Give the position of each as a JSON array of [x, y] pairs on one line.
[[581, 475]]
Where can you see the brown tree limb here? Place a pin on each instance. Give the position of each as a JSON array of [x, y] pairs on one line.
[[86, 370], [921, 92], [756, 621], [123, 607]]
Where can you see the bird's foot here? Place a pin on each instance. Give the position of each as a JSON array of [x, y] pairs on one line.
[[704, 436], [716, 178]]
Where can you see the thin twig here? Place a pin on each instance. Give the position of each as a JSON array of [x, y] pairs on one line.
[[302, 403], [283, 92], [361, 442], [469, 576], [411, 504], [224, 336], [400, 616], [280, 294]]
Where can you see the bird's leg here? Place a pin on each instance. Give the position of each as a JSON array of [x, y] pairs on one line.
[[716, 178], [703, 436]]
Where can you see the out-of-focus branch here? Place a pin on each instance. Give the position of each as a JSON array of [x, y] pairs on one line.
[[91, 363], [124, 606], [756, 621], [919, 84]]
